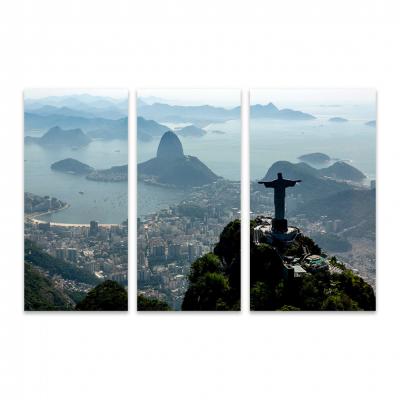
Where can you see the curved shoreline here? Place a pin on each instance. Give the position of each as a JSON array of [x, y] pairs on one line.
[[34, 219]]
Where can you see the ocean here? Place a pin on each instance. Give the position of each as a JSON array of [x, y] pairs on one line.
[[106, 202], [352, 141]]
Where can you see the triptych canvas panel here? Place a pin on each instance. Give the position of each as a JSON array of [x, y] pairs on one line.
[[76, 200], [312, 200]]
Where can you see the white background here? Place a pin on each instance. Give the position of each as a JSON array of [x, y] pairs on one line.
[[204, 43]]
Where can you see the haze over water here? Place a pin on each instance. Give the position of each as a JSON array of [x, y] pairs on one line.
[[106, 202], [219, 151], [352, 141]]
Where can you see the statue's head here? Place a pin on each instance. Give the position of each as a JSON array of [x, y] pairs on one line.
[[280, 175]]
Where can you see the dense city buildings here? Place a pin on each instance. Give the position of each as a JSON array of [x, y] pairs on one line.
[[171, 239], [101, 250]]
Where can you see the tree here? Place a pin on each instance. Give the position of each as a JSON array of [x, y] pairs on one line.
[[214, 279], [108, 296], [151, 304]]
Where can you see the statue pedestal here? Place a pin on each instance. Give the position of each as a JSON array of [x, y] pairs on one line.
[[279, 225]]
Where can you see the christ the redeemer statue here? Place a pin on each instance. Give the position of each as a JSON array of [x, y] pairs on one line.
[[279, 185]]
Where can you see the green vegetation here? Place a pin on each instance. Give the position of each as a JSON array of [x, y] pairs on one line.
[[151, 304], [40, 294], [214, 280], [320, 290], [108, 296], [53, 266]]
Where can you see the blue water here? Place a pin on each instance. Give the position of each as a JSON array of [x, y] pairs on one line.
[[352, 141], [220, 152], [106, 202]]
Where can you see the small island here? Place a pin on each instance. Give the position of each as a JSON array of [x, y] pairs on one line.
[[190, 131], [338, 119], [315, 158], [71, 166], [372, 124]]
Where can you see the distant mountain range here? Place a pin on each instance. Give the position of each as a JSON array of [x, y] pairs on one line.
[[97, 116], [83, 105], [206, 114], [93, 127], [198, 115], [60, 137], [316, 183], [148, 129], [171, 167], [271, 111]]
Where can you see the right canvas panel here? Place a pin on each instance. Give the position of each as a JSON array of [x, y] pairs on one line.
[[312, 199]]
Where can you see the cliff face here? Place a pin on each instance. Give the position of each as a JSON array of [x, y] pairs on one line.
[[170, 147]]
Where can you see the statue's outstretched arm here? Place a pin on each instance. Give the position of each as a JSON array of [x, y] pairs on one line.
[[291, 183], [267, 184]]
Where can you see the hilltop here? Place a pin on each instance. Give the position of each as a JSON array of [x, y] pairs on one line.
[[313, 185], [317, 183], [101, 128], [57, 136], [340, 170], [171, 167], [317, 282]]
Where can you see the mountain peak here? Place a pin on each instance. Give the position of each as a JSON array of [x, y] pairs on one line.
[[271, 106], [170, 147]]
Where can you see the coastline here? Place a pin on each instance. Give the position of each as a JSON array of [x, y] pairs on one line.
[[33, 218]]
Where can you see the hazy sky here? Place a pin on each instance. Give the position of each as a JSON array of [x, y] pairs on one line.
[[40, 93], [284, 98], [227, 98]]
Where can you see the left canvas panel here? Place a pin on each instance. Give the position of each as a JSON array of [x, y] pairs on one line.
[[76, 200]]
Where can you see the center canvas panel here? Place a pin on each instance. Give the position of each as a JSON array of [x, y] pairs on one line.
[[76, 200], [188, 226]]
